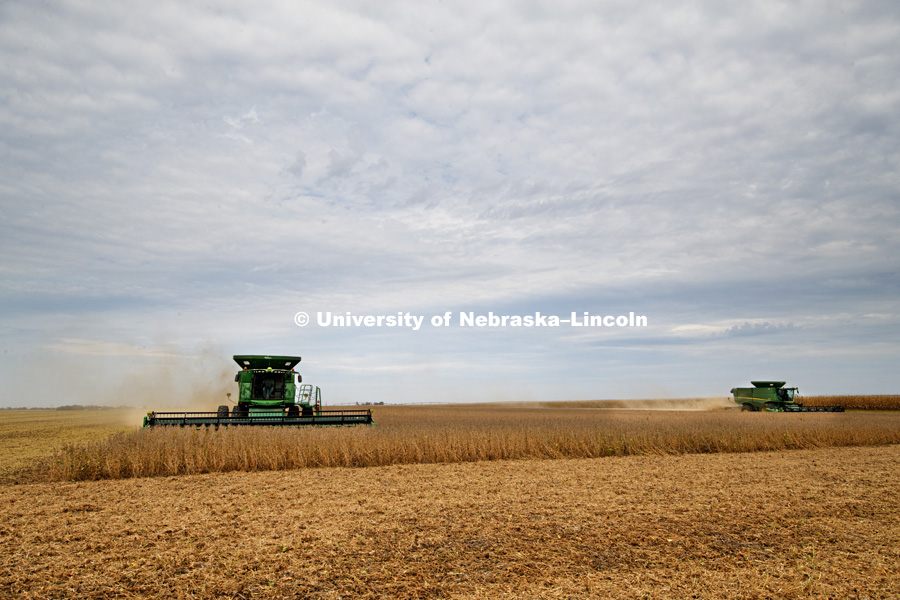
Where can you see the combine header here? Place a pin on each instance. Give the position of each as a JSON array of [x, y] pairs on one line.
[[270, 392], [772, 396]]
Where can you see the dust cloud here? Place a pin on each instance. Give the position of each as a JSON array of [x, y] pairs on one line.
[[682, 404], [718, 403], [197, 383]]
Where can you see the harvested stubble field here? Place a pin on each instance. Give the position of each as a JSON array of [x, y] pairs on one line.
[[692, 517], [26, 435], [817, 523]]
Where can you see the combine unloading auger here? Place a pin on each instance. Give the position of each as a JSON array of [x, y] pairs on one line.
[[270, 393]]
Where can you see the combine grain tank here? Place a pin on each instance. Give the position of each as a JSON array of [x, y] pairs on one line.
[[772, 396], [270, 392]]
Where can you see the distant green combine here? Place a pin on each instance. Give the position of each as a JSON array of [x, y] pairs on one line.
[[772, 396], [270, 392]]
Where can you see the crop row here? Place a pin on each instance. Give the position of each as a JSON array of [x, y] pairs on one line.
[[883, 402], [462, 434]]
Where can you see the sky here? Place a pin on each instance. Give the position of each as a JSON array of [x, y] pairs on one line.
[[178, 180]]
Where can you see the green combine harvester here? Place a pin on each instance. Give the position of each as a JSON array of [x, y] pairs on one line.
[[772, 396], [270, 393]]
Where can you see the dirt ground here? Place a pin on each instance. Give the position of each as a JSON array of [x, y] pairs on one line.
[[796, 524]]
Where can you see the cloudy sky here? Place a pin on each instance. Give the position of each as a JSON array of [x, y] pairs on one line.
[[179, 179]]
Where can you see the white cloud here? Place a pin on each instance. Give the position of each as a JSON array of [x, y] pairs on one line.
[[235, 161], [99, 348]]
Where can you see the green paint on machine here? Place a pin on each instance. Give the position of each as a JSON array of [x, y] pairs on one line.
[[772, 396], [270, 392]]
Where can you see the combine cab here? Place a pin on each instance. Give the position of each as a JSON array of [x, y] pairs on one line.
[[270, 392], [772, 396]]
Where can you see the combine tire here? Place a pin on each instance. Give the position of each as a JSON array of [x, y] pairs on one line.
[[222, 413], [747, 407], [293, 412], [240, 412]]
